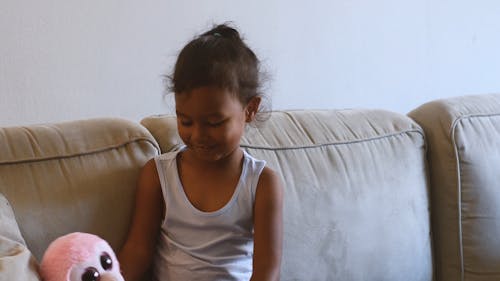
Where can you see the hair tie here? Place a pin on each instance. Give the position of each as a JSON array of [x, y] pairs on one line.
[[217, 34]]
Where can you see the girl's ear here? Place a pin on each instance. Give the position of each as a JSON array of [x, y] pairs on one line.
[[252, 108]]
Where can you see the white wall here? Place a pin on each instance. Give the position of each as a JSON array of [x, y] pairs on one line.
[[65, 59]]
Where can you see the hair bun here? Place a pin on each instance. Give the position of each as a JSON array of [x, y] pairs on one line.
[[223, 30]]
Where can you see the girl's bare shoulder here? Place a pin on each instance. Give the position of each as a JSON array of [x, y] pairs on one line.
[[270, 183]]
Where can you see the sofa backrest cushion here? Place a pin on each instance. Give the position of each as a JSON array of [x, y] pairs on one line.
[[463, 135], [356, 198], [73, 176]]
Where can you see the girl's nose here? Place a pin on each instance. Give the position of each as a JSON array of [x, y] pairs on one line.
[[198, 133]]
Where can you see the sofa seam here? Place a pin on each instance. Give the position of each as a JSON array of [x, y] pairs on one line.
[[459, 199], [94, 151], [335, 143], [467, 116]]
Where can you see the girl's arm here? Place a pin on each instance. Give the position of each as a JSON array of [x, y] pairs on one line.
[[137, 253], [268, 227]]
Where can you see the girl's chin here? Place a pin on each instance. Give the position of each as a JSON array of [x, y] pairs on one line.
[[206, 155]]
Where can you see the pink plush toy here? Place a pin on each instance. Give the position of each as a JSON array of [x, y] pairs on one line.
[[80, 257]]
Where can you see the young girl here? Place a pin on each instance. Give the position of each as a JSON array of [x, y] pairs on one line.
[[209, 211]]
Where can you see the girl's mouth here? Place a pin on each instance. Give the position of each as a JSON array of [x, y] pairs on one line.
[[203, 147]]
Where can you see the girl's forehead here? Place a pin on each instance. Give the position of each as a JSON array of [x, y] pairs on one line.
[[207, 99]]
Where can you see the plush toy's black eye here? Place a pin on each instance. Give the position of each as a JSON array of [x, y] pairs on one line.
[[91, 274], [106, 261]]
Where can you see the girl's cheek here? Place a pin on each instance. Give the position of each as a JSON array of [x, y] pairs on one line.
[[184, 135]]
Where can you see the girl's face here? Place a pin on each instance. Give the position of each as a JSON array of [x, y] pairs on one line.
[[211, 121]]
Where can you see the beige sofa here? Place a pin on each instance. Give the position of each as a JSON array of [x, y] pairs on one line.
[[369, 194]]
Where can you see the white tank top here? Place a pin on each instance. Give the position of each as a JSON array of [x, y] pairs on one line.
[[198, 246]]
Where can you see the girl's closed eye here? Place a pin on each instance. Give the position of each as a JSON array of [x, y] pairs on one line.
[[185, 122], [216, 123]]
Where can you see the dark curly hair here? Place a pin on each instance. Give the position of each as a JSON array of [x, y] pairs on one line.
[[220, 58]]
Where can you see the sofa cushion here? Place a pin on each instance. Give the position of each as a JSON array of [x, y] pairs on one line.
[[463, 135], [356, 198], [73, 176], [16, 261]]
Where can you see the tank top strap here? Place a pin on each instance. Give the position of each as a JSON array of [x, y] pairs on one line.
[[252, 169]]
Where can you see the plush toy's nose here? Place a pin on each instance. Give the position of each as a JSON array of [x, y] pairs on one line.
[[110, 276]]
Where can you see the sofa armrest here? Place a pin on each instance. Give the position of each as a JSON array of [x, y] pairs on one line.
[[463, 136]]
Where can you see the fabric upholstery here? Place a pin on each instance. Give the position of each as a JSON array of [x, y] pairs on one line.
[[463, 137], [73, 176], [16, 261], [356, 193], [164, 131]]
